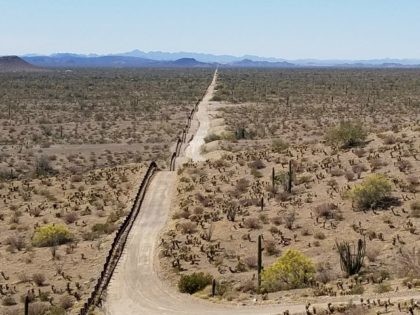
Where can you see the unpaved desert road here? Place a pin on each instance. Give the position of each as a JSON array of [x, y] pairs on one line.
[[136, 289], [193, 150]]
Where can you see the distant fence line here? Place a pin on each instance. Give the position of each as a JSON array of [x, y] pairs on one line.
[[182, 139]]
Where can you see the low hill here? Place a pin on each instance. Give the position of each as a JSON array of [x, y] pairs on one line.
[[16, 64]]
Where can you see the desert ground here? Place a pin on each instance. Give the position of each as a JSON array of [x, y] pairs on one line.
[[302, 162], [262, 120], [74, 146]]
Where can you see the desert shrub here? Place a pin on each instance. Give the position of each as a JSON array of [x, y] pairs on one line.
[[39, 279], [349, 175], [56, 310], [413, 180], [248, 286], [71, 217], [336, 172], [242, 185], [404, 165], [372, 253], [6, 175], [277, 220], [319, 235], [252, 223], [415, 209], [257, 164], [77, 178], [194, 282], [359, 168], [410, 263], [51, 235], [15, 243], [103, 228], [359, 152], [188, 227], [383, 288], [389, 139], [372, 192], [8, 301], [211, 137], [279, 145], [292, 270], [347, 134], [270, 247], [324, 272], [327, 211], [43, 166], [38, 308], [289, 220], [251, 262], [203, 199], [66, 302], [256, 173], [357, 289]]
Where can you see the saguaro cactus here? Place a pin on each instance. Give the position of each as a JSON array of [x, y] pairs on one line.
[[213, 287], [259, 269], [26, 304], [290, 178], [273, 177]]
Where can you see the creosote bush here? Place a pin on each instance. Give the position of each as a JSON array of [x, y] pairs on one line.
[[347, 134], [194, 282], [51, 235], [291, 271], [371, 193]]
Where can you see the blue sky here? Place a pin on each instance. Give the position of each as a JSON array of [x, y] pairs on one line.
[[324, 29]]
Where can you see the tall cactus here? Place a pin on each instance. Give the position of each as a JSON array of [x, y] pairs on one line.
[[273, 178], [290, 178], [259, 269], [26, 304]]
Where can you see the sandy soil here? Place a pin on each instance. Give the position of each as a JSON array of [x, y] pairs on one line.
[[137, 287]]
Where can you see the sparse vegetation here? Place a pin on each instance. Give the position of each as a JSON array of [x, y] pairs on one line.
[[371, 193], [194, 282], [347, 134], [51, 235], [292, 270]]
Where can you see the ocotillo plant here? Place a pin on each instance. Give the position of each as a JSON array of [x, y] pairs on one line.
[[260, 250], [351, 261], [290, 178]]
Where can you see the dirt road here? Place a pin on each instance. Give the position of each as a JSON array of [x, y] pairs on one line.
[[136, 289], [193, 150]]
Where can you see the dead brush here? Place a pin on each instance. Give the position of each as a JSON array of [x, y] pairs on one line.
[[328, 211], [410, 263]]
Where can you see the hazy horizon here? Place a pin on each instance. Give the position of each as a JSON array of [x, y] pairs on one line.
[[302, 29]]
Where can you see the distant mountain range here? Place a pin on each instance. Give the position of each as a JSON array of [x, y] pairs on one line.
[[137, 58]]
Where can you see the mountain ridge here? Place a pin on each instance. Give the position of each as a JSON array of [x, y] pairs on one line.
[[138, 58]]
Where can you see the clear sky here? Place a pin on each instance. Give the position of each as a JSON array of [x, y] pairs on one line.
[[345, 29]]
